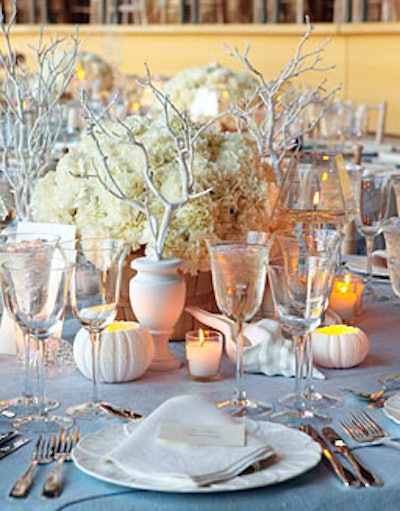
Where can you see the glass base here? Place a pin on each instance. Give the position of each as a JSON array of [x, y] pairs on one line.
[[42, 424], [245, 407], [19, 407], [390, 381], [296, 418], [88, 411], [317, 400], [371, 295]]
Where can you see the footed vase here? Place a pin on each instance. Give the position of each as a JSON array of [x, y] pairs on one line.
[[157, 295]]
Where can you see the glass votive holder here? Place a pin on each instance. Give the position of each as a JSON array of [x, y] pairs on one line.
[[346, 296], [203, 353]]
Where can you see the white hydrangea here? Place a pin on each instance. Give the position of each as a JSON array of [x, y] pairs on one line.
[[182, 86], [223, 160]]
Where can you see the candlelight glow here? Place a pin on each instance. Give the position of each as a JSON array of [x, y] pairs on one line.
[[80, 73], [337, 330], [122, 326], [316, 199]]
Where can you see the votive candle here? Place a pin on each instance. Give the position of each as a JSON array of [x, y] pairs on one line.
[[203, 353]]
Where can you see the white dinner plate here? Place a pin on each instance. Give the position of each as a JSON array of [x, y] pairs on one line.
[[295, 454], [359, 265], [391, 408]]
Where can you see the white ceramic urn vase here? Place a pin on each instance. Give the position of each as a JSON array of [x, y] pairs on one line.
[[157, 295]]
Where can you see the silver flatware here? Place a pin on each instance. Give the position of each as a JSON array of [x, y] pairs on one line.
[[8, 435], [366, 477], [119, 411], [343, 473], [363, 429], [65, 443], [43, 452], [5, 450], [368, 396]]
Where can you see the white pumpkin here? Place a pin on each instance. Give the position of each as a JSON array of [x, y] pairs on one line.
[[126, 351], [339, 346]]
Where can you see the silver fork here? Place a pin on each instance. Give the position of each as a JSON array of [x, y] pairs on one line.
[[66, 441], [43, 452], [364, 430]]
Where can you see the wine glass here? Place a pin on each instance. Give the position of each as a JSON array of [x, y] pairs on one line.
[[391, 233], [372, 205], [238, 275], [35, 291], [14, 245], [300, 276], [95, 290]]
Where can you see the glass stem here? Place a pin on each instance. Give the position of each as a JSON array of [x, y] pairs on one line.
[[369, 244], [27, 389], [240, 393], [299, 350], [95, 340], [309, 387], [41, 364]]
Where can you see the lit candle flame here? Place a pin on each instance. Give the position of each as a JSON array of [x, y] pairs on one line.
[[316, 199], [203, 335], [80, 72]]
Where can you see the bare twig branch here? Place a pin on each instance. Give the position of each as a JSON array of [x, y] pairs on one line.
[[273, 116], [30, 109]]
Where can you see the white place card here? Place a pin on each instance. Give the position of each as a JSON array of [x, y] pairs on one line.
[[226, 435]]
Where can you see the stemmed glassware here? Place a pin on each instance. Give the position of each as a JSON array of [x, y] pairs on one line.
[[15, 245], [300, 275], [238, 275], [391, 232], [95, 291], [372, 203], [35, 291]]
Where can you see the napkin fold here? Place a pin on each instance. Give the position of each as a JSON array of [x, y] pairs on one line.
[[265, 348], [144, 456]]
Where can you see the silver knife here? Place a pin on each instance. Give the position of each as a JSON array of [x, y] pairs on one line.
[[5, 450], [5, 437], [119, 411], [343, 473], [365, 476]]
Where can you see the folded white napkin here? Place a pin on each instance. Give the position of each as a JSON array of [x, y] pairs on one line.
[[265, 349], [154, 461]]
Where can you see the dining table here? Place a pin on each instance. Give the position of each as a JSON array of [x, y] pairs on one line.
[[315, 489]]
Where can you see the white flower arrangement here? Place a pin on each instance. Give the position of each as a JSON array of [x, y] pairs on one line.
[[240, 199], [96, 70], [183, 86]]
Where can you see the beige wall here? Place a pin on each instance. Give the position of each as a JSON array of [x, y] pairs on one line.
[[366, 56]]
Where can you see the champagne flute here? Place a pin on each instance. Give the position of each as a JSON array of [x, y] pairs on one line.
[[95, 290], [372, 205], [299, 278], [238, 274], [35, 291]]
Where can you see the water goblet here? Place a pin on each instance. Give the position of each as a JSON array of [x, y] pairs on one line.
[[299, 278], [35, 291], [94, 294], [238, 275], [13, 245], [372, 206]]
